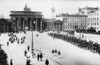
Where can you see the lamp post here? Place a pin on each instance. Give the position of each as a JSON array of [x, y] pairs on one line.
[[32, 46], [32, 42], [53, 11]]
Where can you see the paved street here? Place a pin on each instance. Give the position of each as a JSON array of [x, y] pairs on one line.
[[70, 54]]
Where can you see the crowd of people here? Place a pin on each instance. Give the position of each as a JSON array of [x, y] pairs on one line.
[[40, 56], [56, 51], [13, 37], [88, 45]]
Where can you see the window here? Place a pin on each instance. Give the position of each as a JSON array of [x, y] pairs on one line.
[[97, 18], [72, 23], [97, 23], [81, 23], [91, 23], [66, 27], [68, 23], [94, 23], [75, 23]]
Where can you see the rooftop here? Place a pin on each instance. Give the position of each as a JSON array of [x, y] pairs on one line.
[[4, 21], [71, 15], [90, 8], [25, 12]]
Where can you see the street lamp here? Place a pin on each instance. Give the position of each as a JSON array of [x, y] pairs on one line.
[[32, 41], [32, 46]]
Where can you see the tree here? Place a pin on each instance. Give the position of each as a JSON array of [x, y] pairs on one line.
[[91, 30], [3, 58], [81, 30], [98, 32]]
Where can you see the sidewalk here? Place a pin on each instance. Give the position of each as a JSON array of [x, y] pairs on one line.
[[52, 61]]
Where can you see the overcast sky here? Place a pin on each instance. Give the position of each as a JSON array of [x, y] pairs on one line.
[[61, 6]]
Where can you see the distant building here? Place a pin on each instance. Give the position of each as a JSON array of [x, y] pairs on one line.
[[72, 22], [50, 24], [93, 16], [86, 18], [26, 19], [58, 25], [5, 25], [54, 25]]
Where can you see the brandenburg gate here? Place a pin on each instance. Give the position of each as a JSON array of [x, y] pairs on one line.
[[26, 19]]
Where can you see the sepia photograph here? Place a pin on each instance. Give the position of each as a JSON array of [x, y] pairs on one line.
[[49, 32]]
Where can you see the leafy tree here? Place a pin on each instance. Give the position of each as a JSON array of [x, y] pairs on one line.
[[3, 58], [98, 32], [81, 30], [91, 30]]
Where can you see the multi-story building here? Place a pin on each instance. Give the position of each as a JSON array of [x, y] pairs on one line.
[[72, 22], [86, 18], [93, 16]]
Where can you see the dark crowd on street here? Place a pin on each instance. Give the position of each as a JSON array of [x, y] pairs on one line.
[[87, 45]]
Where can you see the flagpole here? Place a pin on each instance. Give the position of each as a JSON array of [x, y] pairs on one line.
[[53, 10]]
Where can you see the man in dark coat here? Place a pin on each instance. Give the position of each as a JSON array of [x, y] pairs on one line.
[[25, 53], [59, 52], [38, 56], [28, 48], [47, 62], [11, 63], [28, 62], [7, 43], [41, 56]]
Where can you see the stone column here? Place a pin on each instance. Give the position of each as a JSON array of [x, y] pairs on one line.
[[4, 28], [7, 28], [23, 24], [17, 24], [59, 27], [36, 24], [30, 24], [41, 24]]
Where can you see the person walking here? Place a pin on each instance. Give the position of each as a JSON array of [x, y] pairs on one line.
[[28, 62], [38, 56], [41, 56], [59, 52], [52, 51], [28, 48], [55, 51], [11, 63], [7, 43], [25, 53], [46, 62], [18, 41]]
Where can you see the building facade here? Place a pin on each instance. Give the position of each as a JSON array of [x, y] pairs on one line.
[[71, 22], [26, 19], [5, 25], [58, 25], [50, 24], [54, 25], [93, 16]]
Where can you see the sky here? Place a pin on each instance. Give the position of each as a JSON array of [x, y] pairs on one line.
[[44, 6]]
